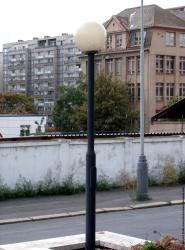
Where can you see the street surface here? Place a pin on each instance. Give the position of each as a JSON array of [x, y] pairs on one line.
[[27, 207], [139, 223]]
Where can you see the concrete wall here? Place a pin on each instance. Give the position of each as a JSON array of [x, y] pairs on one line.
[[60, 159]]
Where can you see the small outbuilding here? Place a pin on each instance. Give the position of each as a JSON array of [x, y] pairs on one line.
[[21, 125], [170, 119]]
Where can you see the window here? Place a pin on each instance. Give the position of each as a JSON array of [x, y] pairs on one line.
[[131, 65], [169, 90], [135, 38], [118, 66], [182, 39], [170, 38], [159, 63], [182, 65], [119, 41], [109, 66], [131, 90], [138, 90], [182, 90], [159, 90], [109, 42], [24, 130], [170, 62], [98, 67]]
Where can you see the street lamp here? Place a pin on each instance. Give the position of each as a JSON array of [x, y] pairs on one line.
[[90, 38], [142, 167]]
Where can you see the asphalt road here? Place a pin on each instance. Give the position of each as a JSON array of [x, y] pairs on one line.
[[139, 223]]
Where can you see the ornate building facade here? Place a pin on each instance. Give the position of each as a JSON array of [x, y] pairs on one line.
[[164, 55]]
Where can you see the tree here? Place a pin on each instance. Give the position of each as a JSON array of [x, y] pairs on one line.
[[112, 107], [12, 103], [65, 107], [172, 101]]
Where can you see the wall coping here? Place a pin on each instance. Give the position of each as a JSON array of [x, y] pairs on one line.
[[103, 238]]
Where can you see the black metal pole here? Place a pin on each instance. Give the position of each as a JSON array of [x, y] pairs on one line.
[[90, 161]]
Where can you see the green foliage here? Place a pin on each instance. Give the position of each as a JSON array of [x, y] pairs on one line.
[[5, 192], [11, 103], [172, 101], [181, 173], [152, 181], [166, 243], [105, 184], [169, 175], [39, 127], [70, 98], [150, 246], [112, 107], [24, 188], [50, 186]]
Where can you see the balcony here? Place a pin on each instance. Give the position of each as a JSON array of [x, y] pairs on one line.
[[13, 60]]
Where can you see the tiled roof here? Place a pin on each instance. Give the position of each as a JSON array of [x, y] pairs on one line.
[[153, 16], [179, 13]]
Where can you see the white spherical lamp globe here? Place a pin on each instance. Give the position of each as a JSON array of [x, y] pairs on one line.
[[90, 36]]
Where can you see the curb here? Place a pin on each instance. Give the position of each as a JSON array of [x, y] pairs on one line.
[[98, 211]]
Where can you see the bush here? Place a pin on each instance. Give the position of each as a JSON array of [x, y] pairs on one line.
[[166, 243], [104, 184], [169, 175], [181, 173], [126, 181], [152, 181], [25, 188]]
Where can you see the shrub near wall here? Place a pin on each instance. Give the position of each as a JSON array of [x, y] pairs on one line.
[[169, 174]]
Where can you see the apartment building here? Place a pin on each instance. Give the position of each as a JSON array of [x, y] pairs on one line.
[[164, 59], [1, 72], [39, 67]]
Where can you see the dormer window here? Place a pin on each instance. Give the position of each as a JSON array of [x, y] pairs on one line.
[[119, 41], [109, 42], [135, 38]]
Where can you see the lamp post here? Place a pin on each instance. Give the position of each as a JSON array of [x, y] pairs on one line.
[[142, 167], [90, 38]]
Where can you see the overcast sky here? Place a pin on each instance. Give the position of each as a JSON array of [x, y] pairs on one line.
[[25, 19]]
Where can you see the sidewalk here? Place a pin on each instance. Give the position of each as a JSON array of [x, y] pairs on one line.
[[40, 208]]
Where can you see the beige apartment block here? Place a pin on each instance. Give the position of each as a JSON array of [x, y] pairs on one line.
[[164, 59], [1, 72]]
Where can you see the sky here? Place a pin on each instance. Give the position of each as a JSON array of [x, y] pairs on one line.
[[25, 19]]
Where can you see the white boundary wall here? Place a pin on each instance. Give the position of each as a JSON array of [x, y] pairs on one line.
[[59, 158]]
